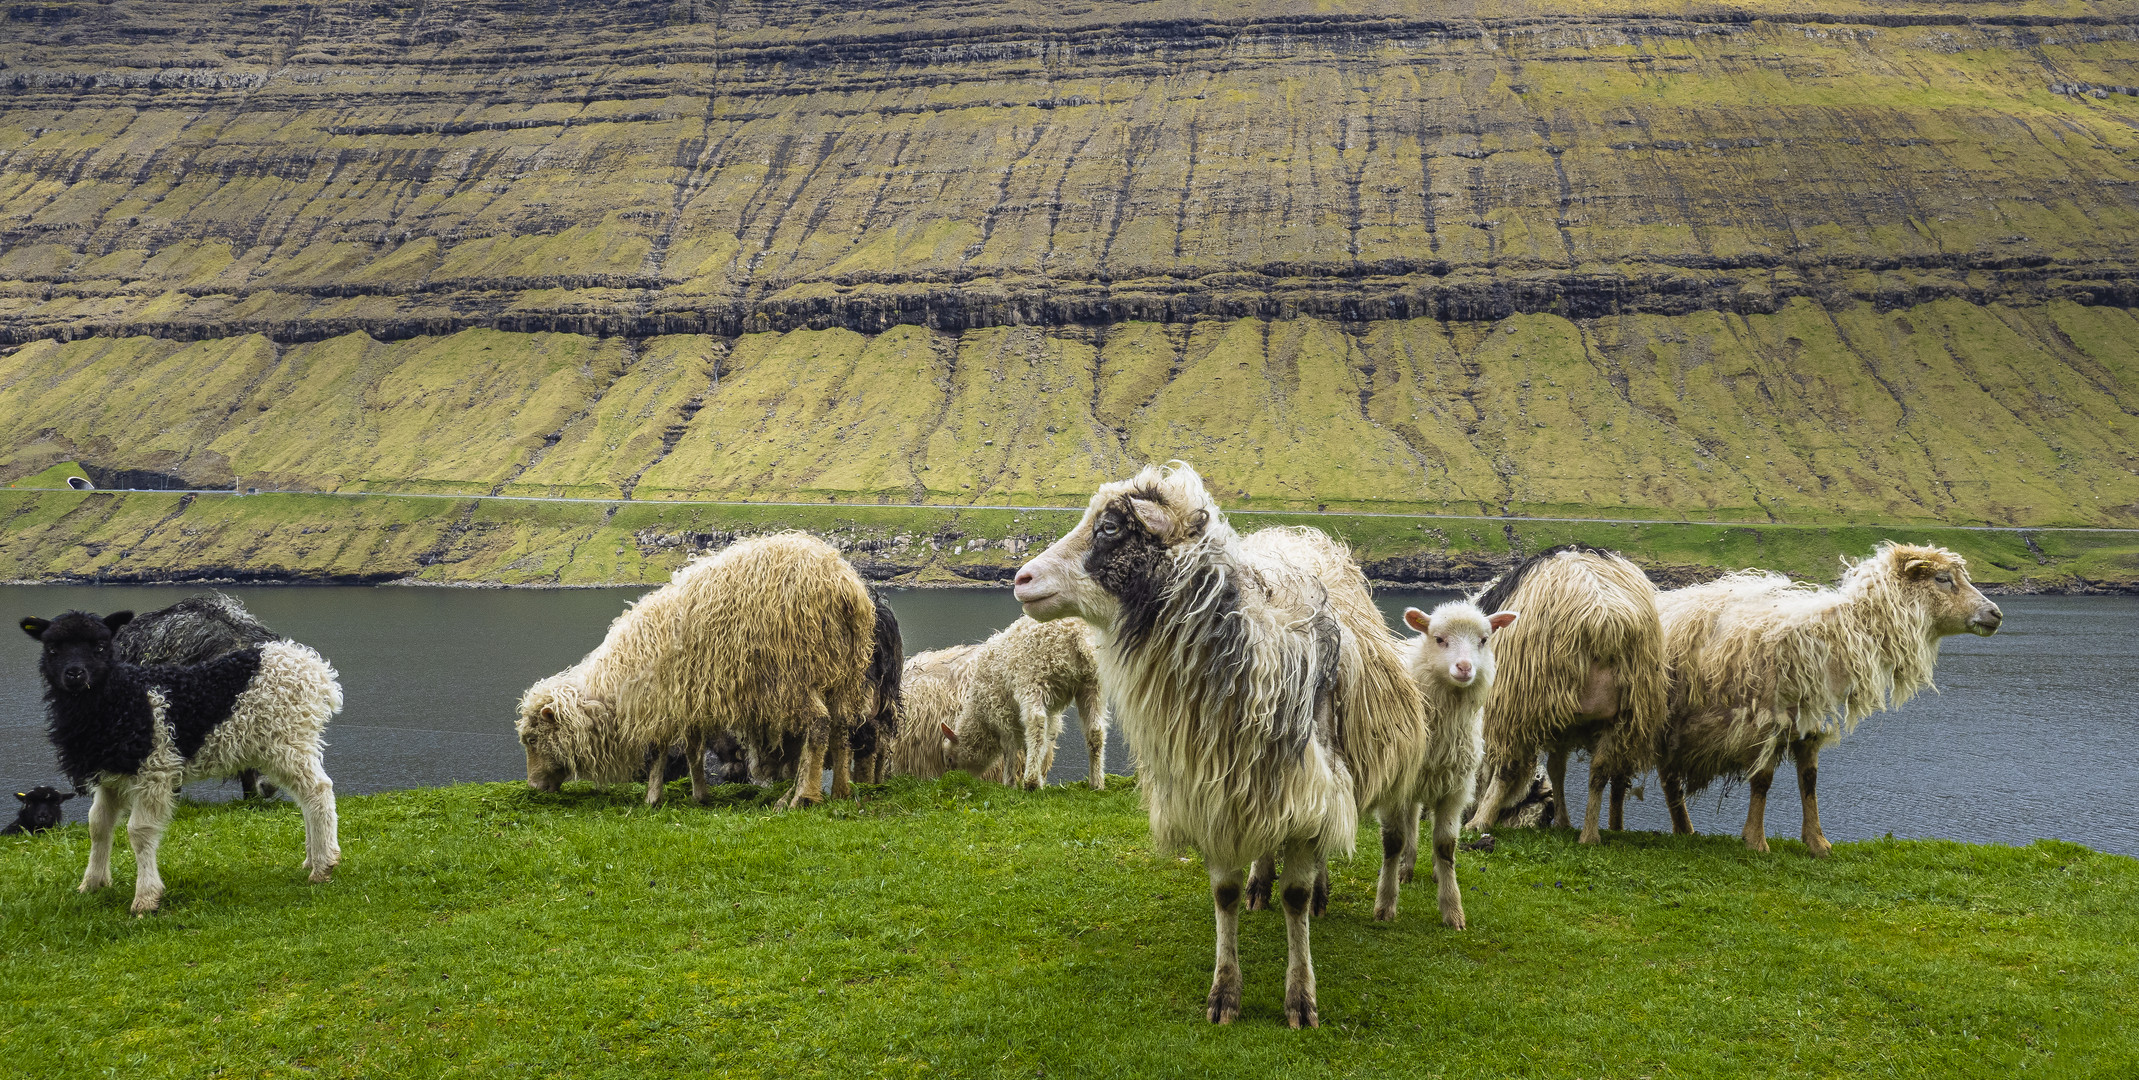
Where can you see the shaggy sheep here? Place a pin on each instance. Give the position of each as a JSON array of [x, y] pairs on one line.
[[1584, 671], [769, 638], [933, 688], [192, 631], [1016, 686], [1265, 699], [137, 733], [1761, 667], [40, 810]]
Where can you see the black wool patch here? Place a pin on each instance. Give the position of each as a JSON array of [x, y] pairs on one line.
[[887, 665], [1129, 562], [200, 696], [1502, 592], [193, 630], [106, 729]]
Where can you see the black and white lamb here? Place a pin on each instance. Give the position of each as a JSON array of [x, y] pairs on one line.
[[192, 631], [138, 733], [40, 810]]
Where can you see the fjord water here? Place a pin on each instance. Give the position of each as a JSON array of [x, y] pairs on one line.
[[2036, 733]]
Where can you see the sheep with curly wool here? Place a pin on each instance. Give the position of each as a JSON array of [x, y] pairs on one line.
[[932, 694], [138, 733], [1016, 687], [769, 638], [1584, 672], [195, 630], [1266, 701], [1762, 667]]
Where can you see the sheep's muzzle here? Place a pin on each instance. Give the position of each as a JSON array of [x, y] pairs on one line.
[[543, 776], [1986, 620]]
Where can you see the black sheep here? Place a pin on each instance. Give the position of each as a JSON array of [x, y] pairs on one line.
[[40, 810], [138, 733], [196, 629]]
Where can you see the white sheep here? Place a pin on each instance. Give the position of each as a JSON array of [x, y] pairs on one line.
[[932, 692], [1761, 667], [1584, 671], [770, 638], [1013, 691], [138, 733], [1264, 697]]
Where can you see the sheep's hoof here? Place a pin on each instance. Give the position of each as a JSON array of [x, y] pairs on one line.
[[1454, 919], [1258, 894], [145, 904], [1385, 913], [322, 873], [1819, 847], [1756, 843], [1099, 783], [1592, 836], [93, 884], [1403, 875], [1301, 1014], [800, 802], [1224, 1004]]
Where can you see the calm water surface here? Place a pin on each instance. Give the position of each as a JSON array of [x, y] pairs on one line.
[[2035, 735]]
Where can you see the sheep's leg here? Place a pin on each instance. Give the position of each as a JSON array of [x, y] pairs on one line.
[[1094, 718], [655, 775], [842, 751], [103, 819], [1320, 906], [1807, 756], [1675, 800], [1447, 822], [809, 772], [1260, 877], [1410, 862], [314, 793], [1756, 815], [1619, 803], [695, 750], [1398, 832], [1036, 747], [1223, 1006], [1563, 815], [150, 812], [1590, 835], [1298, 883]]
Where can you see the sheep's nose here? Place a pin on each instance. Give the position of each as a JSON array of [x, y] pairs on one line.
[[1990, 617], [1462, 670], [1024, 577]]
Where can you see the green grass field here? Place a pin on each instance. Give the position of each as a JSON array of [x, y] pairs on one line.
[[963, 929]]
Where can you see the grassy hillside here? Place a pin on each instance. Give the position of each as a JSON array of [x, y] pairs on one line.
[[962, 929], [1747, 263], [147, 536]]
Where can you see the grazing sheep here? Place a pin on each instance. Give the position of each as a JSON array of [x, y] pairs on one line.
[[40, 810], [192, 631], [1584, 671], [1265, 699], [1761, 667], [769, 638], [1016, 687], [933, 688], [137, 733]]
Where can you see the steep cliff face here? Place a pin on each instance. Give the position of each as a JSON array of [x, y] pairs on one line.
[[1748, 262]]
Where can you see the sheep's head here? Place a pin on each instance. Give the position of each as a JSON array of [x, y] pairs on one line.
[[554, 714], [77, 655], [1115, 566], [1938, 580], [41, 806], [1455, 645]]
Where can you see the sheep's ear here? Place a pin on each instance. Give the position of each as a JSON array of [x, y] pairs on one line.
[[67, 796], [1155, 516], [117, 619], [948, 735], [1416, 619], [36, 627], [1501, 620], [549, 714], [1916, 568]]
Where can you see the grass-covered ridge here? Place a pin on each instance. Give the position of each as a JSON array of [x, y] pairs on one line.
[[962, 929], [440, 540]]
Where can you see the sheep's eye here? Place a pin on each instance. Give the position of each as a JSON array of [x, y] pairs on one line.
[[1108, 527], [1943, 578], [1481, 641], [1441, 641]]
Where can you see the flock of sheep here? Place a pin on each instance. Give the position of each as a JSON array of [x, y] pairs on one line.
[[1265, 700]]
